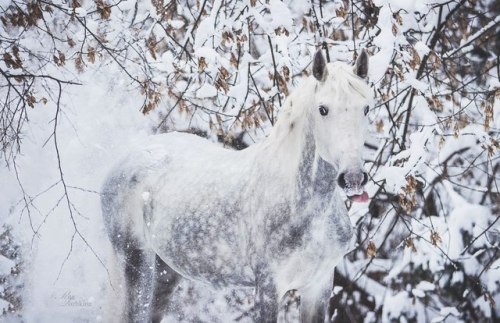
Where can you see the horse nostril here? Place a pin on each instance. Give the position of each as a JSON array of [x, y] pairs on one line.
[[365, 179], [341, 180]]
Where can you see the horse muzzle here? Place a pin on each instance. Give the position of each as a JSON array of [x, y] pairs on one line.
[[353, 183]]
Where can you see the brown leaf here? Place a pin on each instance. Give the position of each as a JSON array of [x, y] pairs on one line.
[[7, 58], [62, 57], [151, 45], [31, 100], [15, 51], [409, 244], [227, 36], [415, 59], [398, 18], [394, 29], [103, 9], [202, 64], [435, 238], [71, 42], [341, 12], [371, 250], [488, 116], [79, 63], [233, 60], [286, 73], [408, 196], [91, 54], [12, 62], [158, 4], [221, 81], [59, 59]]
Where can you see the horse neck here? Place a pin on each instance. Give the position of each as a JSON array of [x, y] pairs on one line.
[[315, 177], [293, 151]]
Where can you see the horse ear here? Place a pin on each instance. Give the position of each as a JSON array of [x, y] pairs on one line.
[[319, 66], [361, 66]]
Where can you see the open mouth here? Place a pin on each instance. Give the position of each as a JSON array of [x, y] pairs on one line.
[[361, 198]]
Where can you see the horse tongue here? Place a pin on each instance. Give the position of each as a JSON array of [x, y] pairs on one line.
[[362, 198]]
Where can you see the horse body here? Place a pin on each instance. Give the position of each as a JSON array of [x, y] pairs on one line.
[[270, 217]]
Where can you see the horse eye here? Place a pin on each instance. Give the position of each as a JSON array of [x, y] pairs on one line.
[[323, 110], [367, 108]]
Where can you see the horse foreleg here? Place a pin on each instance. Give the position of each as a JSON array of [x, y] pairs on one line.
[[266, 299], [166, 282], [139, 278]]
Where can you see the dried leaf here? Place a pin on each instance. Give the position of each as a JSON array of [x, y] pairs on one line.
[[371, 250], [435, 238], [7, 58], [59, 59], [158, 4], [151, 45], [103, 9], [71, 42], [286, 73], [202, 64], [415, 59], [91, 54], [30, 100], [233, 60], [409, 244], [442, 141], [79, 63], [12, 62], [221, 81], [488, 116], [62, 57], [341, 12], [408, 196], [398, 18]]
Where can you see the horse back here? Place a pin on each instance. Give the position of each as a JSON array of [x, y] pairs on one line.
[[163, 168]]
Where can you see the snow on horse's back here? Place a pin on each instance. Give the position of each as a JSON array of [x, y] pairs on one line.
[[270, 216]]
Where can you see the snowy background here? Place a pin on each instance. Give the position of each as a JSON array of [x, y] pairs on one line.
[[81, 81]]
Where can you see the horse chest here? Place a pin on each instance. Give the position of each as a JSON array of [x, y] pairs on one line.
[[306, 252]]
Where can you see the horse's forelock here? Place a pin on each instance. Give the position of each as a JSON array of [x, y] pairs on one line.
[[341, 77]]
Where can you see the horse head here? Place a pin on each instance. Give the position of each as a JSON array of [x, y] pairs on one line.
[[341, 101]]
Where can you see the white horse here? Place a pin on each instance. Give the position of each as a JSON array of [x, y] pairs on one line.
[[271, 216]]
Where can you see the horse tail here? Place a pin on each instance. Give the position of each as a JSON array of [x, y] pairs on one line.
[[115, 288]]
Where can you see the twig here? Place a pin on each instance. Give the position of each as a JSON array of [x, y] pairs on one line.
[[66, 195], [423, 63]]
